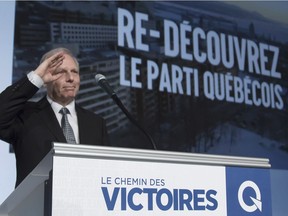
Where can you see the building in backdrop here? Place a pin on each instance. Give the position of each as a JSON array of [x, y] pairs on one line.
[[179, 121]]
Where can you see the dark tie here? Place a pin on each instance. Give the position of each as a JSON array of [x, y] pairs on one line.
[[66, 127]]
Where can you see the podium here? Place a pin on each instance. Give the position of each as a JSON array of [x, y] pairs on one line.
[[96, 180]]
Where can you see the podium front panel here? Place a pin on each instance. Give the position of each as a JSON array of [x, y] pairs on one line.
[[101, 186]]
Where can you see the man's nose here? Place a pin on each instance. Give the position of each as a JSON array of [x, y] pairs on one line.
[[69, 76]]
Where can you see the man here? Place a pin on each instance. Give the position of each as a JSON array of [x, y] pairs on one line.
[[32, 127]]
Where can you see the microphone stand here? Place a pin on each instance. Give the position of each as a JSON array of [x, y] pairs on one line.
[[125, 111]]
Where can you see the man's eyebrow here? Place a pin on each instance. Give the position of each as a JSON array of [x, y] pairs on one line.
[[75, 70]]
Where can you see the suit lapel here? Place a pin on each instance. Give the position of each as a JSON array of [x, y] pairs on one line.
[[81, 125], [86, 136], [48, 116]]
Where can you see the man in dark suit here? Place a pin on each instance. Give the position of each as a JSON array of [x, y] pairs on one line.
[[32, 127]]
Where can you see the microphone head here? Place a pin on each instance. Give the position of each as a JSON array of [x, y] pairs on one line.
[[99, 77], [102, 82]]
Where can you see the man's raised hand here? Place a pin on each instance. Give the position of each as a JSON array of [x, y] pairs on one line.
[[47, 70]]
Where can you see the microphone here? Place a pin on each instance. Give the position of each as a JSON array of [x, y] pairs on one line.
[[103, 83], [101, 80]]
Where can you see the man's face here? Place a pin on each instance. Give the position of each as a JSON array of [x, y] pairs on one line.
[[64, 89]]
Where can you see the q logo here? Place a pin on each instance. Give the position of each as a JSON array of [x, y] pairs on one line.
[[257, 203]]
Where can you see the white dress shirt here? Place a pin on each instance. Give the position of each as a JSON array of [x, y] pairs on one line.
[[72, 117]]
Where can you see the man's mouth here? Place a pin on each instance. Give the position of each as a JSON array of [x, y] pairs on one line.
[[69, 87]]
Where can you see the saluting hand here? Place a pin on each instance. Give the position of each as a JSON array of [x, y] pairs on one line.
[[47, 70]]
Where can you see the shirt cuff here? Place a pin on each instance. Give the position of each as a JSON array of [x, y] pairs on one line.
[[35, 79]]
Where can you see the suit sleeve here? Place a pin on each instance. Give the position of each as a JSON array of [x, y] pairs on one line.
[[12, 102]]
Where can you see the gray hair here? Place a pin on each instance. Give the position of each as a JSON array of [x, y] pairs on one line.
[[57, 50]]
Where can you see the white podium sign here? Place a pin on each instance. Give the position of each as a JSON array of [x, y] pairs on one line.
[[106, 187], [106, 181]]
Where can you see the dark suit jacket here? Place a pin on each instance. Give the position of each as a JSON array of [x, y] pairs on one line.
[[31, 127]]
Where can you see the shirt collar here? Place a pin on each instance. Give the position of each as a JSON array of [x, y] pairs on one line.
[[56, 106]]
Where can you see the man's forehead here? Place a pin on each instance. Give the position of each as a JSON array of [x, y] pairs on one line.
[[69, 62]]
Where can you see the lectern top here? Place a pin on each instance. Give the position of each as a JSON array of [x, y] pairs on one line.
[[117, 153]]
